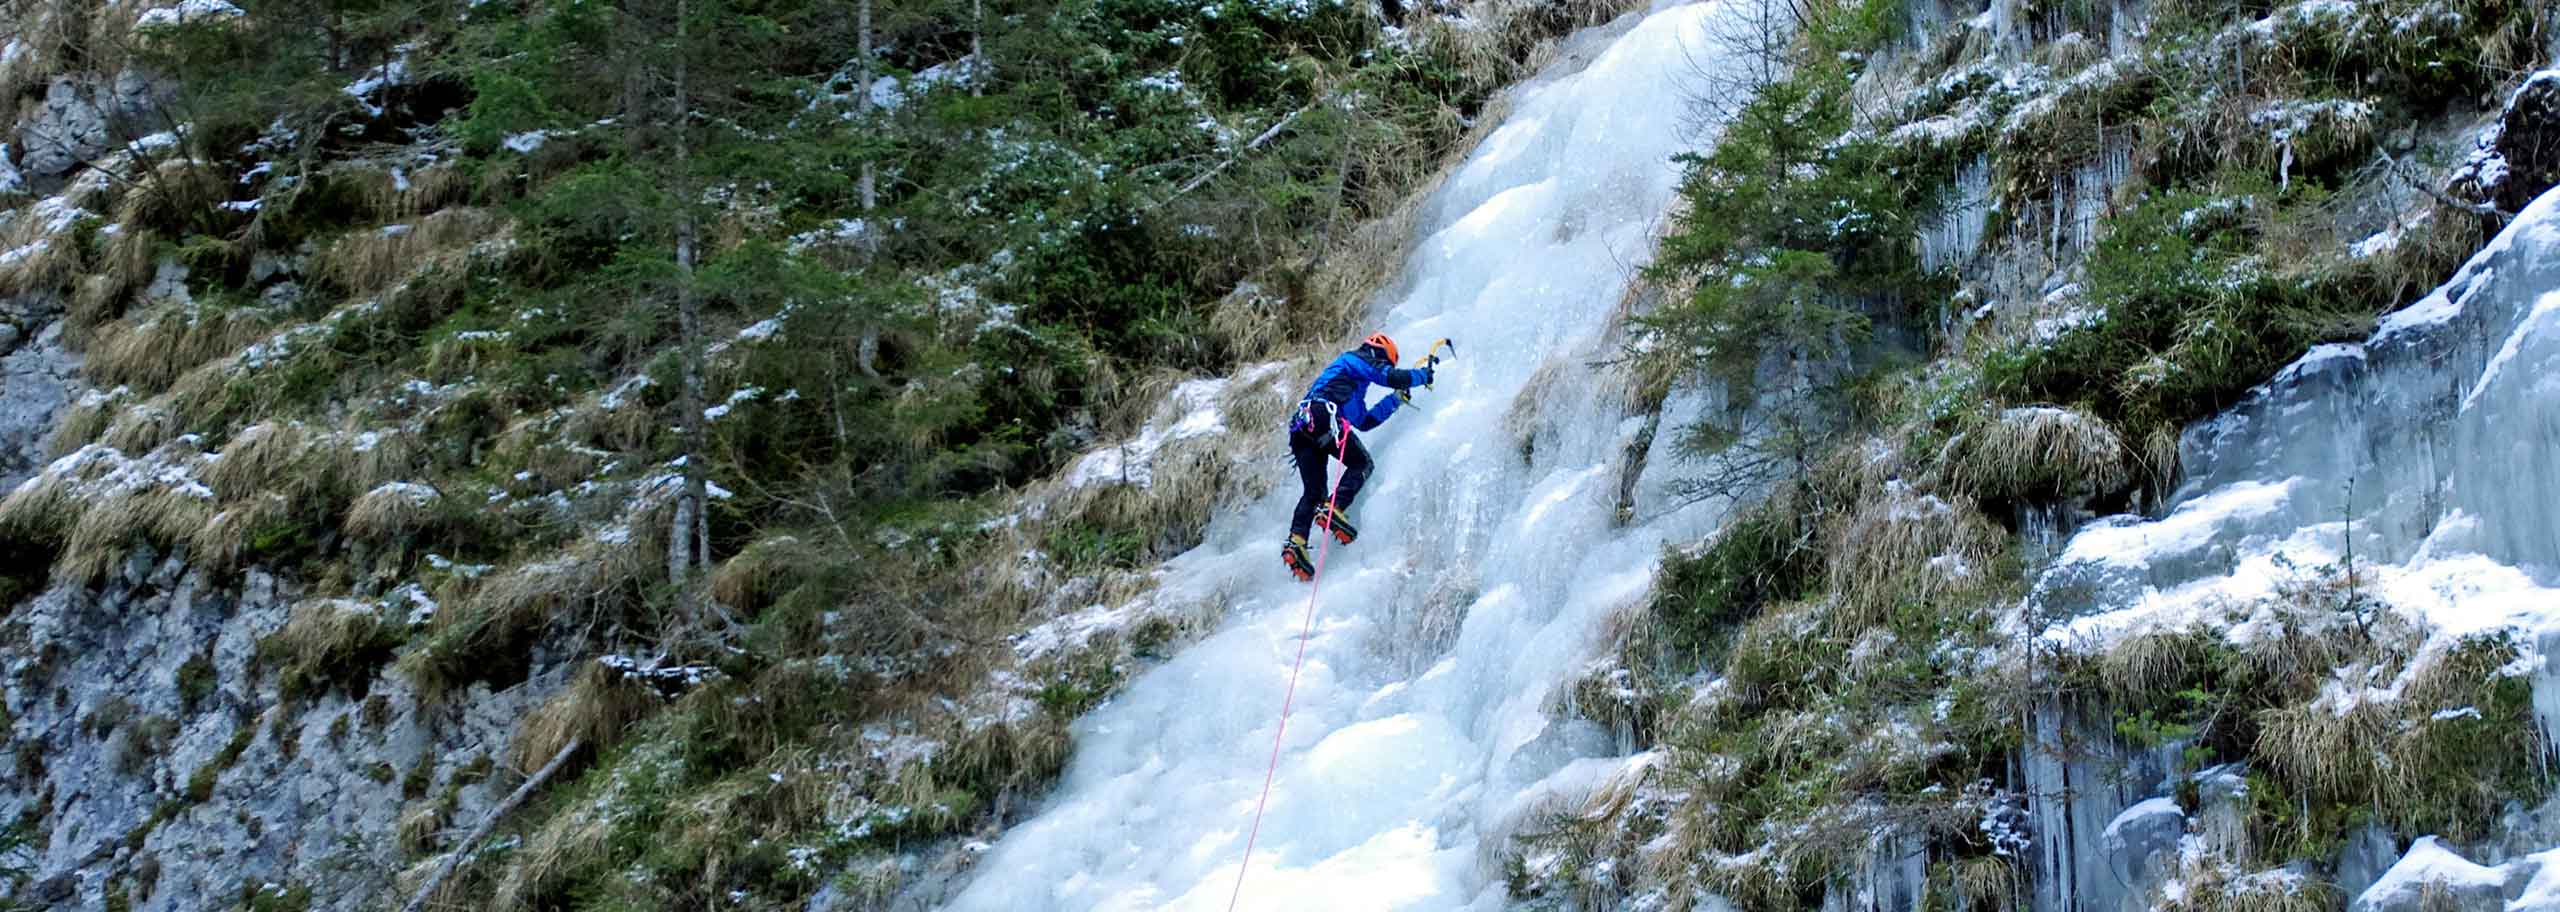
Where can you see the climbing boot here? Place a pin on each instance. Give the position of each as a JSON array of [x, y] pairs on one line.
[[1331, 520], [1294, 553]]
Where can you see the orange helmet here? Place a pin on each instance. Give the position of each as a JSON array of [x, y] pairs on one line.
[[1382, 342]]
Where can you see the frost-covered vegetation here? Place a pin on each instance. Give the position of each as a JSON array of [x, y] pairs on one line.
[[710, 355], [1991, 265]]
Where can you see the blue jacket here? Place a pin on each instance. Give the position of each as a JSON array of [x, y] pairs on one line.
[[1345, 383]]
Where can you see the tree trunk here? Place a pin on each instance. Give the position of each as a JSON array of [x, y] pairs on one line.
[[453, 860], [977, 54], [688, 544], [862, 102]]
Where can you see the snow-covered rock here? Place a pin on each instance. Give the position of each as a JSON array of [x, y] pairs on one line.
[[2142, 843], [2433, 878]]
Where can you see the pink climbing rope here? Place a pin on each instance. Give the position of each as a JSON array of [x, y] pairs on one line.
[[1342, 436]]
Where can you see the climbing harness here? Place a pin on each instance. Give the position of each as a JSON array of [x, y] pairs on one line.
[[1307, 629]]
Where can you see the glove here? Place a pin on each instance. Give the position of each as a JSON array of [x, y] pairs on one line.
[[1422, 375]]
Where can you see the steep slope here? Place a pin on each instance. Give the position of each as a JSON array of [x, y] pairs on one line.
[[399, 399], [1493, 551]]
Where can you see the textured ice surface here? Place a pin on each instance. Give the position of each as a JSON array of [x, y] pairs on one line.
[[1418, 737], [2431, 452]]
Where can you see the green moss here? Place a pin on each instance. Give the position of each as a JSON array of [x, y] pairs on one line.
[[268, 897], [196, 680], [1760, 558], [1069, 694], [200, 785], [2188, 314], [421, 775], [474, 772]]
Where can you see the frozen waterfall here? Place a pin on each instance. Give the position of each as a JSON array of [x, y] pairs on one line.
[[1426, 720]]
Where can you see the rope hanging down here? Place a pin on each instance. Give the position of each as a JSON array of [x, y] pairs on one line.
[[1307, 628]]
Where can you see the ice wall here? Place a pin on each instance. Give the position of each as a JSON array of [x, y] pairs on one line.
[[1424, 722], [2431, 451]]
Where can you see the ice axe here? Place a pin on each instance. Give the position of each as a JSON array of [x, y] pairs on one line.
[[1429, 359]]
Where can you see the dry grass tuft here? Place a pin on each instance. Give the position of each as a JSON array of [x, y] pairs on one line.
[[152, 351], [617, 419], [572, 838], [84, 420], [419, 825], [394, 511], [109, 527], [2144, 666], [1904, 545], [378, 456], [2037, 452], [2208, 884], [403, 195], [368, 261], [751, 579], [130, 264], [329, 639], [594, 709], [42, 508], [1250, 320], [41, 264], [225, 541], [140, 428], [1987, 883], [174, 197], [311, 468]]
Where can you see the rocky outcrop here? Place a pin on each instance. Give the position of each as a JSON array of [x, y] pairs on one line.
[[38, 375], [164, 769], [80, 119]]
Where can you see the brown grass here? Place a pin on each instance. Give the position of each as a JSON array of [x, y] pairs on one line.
[[140, 428], [323, 635], [376, 456], [2146, 666], [394, 511], [427, 190], [1987, 883], [2034, 452], [575, 836], [595, 709], [47, 263], [130, 263], [1905, 546], [279, 457], [618, 418], [173, 197], [222, 543], [84, 420], [370, 260], [152, 351], [420, 823], [751, 579], [43, 507], [109, 528]]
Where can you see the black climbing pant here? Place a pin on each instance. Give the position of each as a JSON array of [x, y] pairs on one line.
[[1310, 449]]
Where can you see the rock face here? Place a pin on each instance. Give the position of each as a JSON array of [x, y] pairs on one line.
[[79, 120], [37, 378], [164, 769], [70, 128]]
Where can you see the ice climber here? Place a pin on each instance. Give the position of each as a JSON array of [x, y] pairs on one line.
[[1337, 404]]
